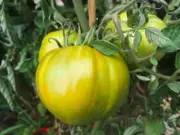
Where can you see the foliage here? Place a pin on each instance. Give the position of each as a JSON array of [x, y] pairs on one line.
[[153, 106]]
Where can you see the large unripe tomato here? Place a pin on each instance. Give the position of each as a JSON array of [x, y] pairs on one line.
[[145, 48], [50, 41], [79, 85]]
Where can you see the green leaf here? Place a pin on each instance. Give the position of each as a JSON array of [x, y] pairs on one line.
[[11, 77], [133, 18], [11, 129], [161, 1], [5, 92], [26, 11], [142, 19], [154, 127], [177, 133], [154, 61], [177, 61], [142, 78], [50, 132], [23, 55], [35, 59], [116, 126], [133, 130], [27, 131], [19, 30], [25, 66], [175, 3], [175, 86], [79, 41], [41, 109], [47, 12], [137, 39], [174, 117], [37, 3], [177, 11], [156, 37], [105, 47], [58, 17], [4, 28], [90, 36], [3, 64], [100, 132], [173, 33], [153, 85]]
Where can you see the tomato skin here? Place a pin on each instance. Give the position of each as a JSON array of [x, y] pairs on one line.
[[80, 85], [49, 44], [145, 48]]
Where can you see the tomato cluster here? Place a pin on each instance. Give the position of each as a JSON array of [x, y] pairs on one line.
[[78, 84], [145, 48]]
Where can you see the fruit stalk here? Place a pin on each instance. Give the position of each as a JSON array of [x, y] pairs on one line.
[[117, 23]]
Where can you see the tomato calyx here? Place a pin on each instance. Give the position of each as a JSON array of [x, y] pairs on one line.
[[136, 18]]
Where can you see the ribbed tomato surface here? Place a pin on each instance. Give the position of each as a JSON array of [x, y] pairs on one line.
[[79, 85]]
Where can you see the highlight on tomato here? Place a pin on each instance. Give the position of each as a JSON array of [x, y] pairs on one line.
[[80, 85]]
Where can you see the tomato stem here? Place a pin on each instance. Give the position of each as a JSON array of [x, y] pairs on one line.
[[81, 14], [117, 23], [145, 101], [173, 22], [156, 74]]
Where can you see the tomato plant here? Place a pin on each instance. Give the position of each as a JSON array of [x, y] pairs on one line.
[[80, 85], [86, 67]]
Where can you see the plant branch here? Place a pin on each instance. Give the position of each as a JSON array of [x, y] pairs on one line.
[[173, 22], [81, 14], [117, 23], [164, 77], [118, 9], [91, 12], [123, 8], [145, 101], [171, 78], [174, 76]]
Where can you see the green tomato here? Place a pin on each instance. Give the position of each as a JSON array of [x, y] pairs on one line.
[[50, 40], [145, 48]]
